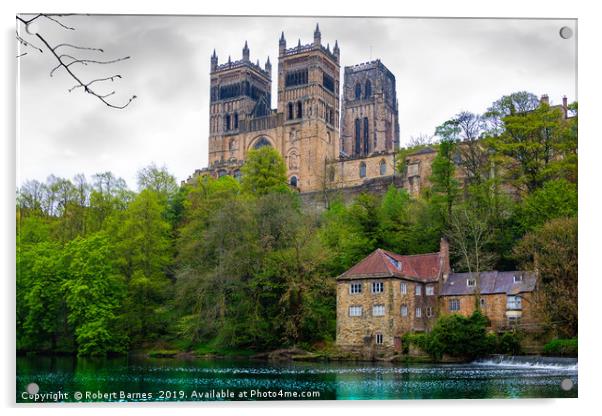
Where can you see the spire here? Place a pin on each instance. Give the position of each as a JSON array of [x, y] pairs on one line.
[[328, 46], [268, 66], [214, 61], [299, 44], [282, 44], [336, 50], [317, 35], [245, 52]]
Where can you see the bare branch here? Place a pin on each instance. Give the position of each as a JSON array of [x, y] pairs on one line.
[[23, 54], [26, 43], [60, 45], [48, 16]]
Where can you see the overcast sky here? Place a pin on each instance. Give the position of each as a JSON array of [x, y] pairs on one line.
[[442, 67]]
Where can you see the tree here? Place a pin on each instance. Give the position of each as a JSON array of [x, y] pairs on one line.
[[94, 293], [555, 199], [66, 60], [445, 188], [158, 180], [264, 171], [551, 251]]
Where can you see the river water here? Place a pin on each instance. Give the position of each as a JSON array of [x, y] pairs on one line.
[[145, 379]]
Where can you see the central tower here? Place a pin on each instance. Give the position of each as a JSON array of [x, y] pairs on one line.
[[308, 99]]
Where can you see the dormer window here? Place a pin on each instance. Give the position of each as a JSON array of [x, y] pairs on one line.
[[395, 263], [471, 282], [518, 278]]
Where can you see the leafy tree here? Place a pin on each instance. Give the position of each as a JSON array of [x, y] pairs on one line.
[[264, 171], [445, 188], [555, 199], [551, 251], [158, 180], [94, 294], [459, 336]]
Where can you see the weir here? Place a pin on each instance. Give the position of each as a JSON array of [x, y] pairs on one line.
[[533, 361]]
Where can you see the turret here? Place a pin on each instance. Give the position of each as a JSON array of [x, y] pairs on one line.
[[214, 61], [245, 52], [336, 50], [317, 36], [282, 44], [268, 66]]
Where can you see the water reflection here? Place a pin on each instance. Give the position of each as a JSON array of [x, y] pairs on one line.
[[348, 381]]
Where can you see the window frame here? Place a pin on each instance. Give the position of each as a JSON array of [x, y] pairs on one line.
[[454, 305], [379, 339], [403, 288], [351, 286], [418, 312], [380, 284], [378, 307], [429, 290], [404, 308], [418, 290], [355, 308]]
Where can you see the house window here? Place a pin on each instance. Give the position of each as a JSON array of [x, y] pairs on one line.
[[395, 263], [454, 305], [513, 321], [378, 287], [517, 278], [355, 311], [513, 302], [482, 302], [294, 181], [358, 91], [382, 167], [418, 312], [418, 290], [362, 170], [430, 290], [471, 282], [378, 310], [429, 311], [404, 288], [355, 288], [404, 310], [379, 338]]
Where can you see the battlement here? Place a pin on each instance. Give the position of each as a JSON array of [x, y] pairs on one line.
[[240, 64], [308, 48], [364, 66]]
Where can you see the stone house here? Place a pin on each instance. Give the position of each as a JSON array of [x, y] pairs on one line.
[[387, 295]]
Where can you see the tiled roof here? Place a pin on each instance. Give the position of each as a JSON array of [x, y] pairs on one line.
[[382, 263], [491, 282]]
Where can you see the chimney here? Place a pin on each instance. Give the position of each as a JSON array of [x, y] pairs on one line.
[[444, 258], [545, 99]]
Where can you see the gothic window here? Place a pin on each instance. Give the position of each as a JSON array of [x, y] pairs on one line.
[[366, 135], [368, 91], [328, 137], [382, 167], [299, 109], [290, 111], [235, 120], [232, 145], [362, 170], [358, 147], [261, 143], [358, 91], [299, 77], [294, 181], [227, 126], [328, 82]]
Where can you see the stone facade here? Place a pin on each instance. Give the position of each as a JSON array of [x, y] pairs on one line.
[[387, 295], [304, 126]]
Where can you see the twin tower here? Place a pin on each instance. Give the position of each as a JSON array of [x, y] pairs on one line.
[[321, 148]]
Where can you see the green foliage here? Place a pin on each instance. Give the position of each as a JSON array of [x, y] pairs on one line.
[[508, 343], [555, 199], [561, 347], [445, 188], [264, 171]]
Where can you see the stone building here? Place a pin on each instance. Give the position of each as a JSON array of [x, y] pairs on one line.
[[305, 125], [387, 295]]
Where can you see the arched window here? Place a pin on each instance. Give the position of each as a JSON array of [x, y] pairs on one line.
[[358, 91], [362, 170], [299, 109], [358, 145], [290, 111], [366, 135], [232, 145], [235, 120], [261, 143], [382, 166], [368, 91], [294, 181], [227, 124], [237, 175]]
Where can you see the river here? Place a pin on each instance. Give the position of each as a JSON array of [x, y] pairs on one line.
[[147, 379]]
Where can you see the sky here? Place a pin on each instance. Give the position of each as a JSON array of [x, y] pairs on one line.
[[442, 67]]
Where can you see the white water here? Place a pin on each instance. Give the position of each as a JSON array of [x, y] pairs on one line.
[[530, 362]]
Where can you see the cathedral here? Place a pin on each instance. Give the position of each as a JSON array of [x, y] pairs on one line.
[[328, 138]]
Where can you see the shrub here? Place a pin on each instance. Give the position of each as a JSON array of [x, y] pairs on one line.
[[508, 343], [562, 347]]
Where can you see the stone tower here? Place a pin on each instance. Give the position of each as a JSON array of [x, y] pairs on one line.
[[308, 91], [240, 90], [370, 123]]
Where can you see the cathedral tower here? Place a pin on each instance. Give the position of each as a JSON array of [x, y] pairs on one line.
[[370, 123], [308, 91], [240, 90]]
